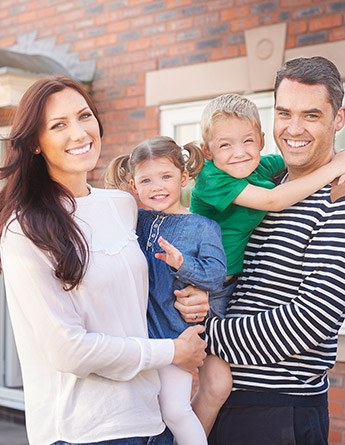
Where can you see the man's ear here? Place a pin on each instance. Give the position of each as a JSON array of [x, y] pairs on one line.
[[207, 152], [340, 119], [133, 187]]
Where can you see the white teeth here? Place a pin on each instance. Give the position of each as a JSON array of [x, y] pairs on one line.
[[296, 144], [79, 151], [159, 197]]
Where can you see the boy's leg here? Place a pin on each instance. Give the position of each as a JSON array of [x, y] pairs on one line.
[[177, 413], [215, 382]]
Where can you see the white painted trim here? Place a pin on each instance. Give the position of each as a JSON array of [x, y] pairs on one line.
[[205, 80], [12, 398]]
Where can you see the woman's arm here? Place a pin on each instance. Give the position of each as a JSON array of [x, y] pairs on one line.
[[45, 319], [289, 193]]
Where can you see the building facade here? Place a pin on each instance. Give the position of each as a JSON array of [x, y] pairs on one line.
[[150, 67]]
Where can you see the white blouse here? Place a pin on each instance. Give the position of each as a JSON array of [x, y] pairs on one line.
[[89, 370]]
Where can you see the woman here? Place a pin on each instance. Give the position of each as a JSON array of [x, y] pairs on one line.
[[76, 282]]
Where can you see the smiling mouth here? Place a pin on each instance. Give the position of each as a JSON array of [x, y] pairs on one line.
[[159, 197], [239, 162], [79, 151], [296, 144]]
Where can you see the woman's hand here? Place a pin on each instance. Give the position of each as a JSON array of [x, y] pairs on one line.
[[192, 303], [190, 349]]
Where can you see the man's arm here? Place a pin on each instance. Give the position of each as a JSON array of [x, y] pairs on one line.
[[192, 303], [313, 310]]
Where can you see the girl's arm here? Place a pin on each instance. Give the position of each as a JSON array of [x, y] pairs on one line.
[[289, 193], [206, 271]]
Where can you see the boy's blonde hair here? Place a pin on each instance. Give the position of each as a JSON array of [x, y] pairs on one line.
[[228, 105]]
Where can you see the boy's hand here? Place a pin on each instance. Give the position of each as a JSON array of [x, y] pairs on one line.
[[341, 180], [172, 256]]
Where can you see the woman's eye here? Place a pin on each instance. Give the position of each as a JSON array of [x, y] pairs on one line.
[[86, 115], [166, 176], [58, 125], [225, 145], [248, 141]]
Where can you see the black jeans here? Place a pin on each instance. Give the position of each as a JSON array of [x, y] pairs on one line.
[[271, 425]]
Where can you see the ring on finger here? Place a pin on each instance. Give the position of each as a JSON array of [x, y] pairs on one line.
[[195, 316]]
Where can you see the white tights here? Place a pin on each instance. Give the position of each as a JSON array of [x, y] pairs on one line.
[[177, 413]]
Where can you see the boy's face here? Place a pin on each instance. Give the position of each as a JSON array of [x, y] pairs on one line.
[[234, 146]]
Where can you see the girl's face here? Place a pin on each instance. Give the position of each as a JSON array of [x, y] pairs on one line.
[[69, 139], [158, 183]]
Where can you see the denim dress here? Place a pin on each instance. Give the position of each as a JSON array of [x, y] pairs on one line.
[[199, 240]]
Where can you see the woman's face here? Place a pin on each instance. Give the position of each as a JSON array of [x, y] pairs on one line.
[[69, 138]]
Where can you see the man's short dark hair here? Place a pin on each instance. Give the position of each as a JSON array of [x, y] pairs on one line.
[[314, 71]]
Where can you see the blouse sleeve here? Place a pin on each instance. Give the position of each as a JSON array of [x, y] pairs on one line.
[[39, 306]]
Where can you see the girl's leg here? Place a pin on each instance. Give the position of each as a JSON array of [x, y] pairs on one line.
[[215, 383], [177, 413]]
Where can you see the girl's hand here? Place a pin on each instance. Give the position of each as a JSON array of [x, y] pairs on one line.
[[172, 256]]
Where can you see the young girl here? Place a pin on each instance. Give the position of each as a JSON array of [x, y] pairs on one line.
[[180, 248]]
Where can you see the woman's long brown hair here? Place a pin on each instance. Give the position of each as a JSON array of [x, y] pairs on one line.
[[30, 194]]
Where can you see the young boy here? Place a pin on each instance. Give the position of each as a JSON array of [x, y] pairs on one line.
[[235, 188]]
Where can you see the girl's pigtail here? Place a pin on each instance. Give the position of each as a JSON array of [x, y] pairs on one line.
[[194, 160], [117, 174]]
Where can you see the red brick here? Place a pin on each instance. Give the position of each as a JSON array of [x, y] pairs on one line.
[[337, 394], [227, 52], [234, 13], [327, 22], [298, 27], [335, 437], [242, 24], [336, 408]]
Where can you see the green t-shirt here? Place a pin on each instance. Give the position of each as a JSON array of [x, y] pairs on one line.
[[213, 194]]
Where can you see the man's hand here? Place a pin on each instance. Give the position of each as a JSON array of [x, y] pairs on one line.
[[190, 349], [192, 303]]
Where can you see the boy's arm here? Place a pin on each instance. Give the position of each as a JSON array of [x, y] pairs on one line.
[[289, 193]]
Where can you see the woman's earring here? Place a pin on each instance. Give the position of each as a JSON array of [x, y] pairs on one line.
[[37, 151]]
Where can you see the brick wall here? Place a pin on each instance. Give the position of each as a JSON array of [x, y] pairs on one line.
[[126, 38], [337, 404]]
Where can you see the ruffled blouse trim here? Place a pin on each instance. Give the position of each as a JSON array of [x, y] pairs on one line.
[[112, 249]]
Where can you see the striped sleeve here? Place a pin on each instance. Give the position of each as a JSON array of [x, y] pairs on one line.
[[290, 300]]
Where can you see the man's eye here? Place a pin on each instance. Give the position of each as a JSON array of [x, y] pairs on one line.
[[283, 114], [312, 116]]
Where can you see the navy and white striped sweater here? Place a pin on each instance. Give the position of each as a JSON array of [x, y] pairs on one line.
[[280, 334]]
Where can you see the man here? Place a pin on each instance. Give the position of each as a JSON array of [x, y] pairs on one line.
[[280, 334]]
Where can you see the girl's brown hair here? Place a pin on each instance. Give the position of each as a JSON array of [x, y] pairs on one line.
[[188, 157], [31, 196]]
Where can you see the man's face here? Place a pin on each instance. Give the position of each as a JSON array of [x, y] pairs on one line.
[[305, 126]]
